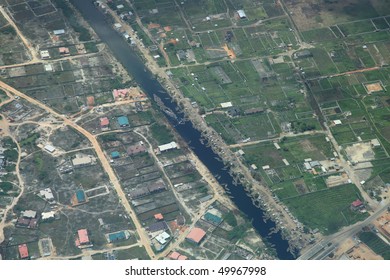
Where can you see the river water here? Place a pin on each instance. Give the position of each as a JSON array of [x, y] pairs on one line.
[[145, 79]]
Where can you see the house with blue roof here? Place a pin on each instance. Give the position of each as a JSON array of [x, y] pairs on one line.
[[115, 155], [123, 121]]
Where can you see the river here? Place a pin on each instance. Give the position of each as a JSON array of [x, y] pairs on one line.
[[145, 79]]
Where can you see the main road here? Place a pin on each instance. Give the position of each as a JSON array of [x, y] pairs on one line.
[[322, 249]]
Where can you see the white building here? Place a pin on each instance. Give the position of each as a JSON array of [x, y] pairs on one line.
[[47, 194], [163, 238], [167, 147], [49, 148], [241, 14]]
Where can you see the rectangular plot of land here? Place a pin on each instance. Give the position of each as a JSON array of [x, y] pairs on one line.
[[374, 87], [222, 77]]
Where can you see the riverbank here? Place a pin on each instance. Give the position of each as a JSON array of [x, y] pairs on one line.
[[261, 195], [157, 82]]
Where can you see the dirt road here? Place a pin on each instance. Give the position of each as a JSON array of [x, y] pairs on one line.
[[105, 163]]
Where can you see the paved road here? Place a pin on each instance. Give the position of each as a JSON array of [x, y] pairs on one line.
[[332, 241], [105, 163]]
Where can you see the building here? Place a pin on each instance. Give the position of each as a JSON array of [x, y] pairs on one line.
[[59, 32], [104, 122], [82, 160], [123, 121], [226, 104], [23, 251], [29, 214], [241, 14], [196, 235], [277, 146], [302, 54], [117, 26], [159, 217], [82, 238], [119, 94], [48, 216], [48, 68], [168, 147], [136, 149], [45, 54], [337, 122], [80, 196], [117, 236], [253, 167], [234, 111], [115, 155], [47, 194], [163, 238], [214, 219], [49, 148], [177, 256], [375, 143], [64, 51], [357, 205]]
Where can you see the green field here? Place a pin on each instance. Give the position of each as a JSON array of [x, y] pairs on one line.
[[376, 244], [328, 210]]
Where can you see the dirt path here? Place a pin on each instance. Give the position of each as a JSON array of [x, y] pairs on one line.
[[105, 163]]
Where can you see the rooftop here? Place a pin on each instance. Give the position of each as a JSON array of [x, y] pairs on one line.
[[196, 235], [83, 236], [123, 121], [104, 121], [23, 251]]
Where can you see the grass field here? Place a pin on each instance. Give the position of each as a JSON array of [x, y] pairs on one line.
[[376, 244], [328, 210]]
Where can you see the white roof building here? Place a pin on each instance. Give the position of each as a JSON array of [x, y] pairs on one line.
[[45, 54], [48, 68], [254, 167], [265, 167], [49, 148], [30, 214], [82, 160], [337, 122], [47, 194], [277, 146], [286, 162], [48, 215], [226, 104], [59, 32], [241, 14], [117, 25], [375, 142], [167, 147], [162, 238]]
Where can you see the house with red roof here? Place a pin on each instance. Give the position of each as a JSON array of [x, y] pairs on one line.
[[104, 122], [82, 240], [196, 235], [23, 251], [357, 205]]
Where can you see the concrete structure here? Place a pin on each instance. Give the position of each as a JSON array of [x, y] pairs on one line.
[[163, 238], [337, 122], [123, 121], [196, 235], [23, 251], [118, 236], [214, 219], [47, 194], [241, 14], [82, 160], [375, 143], [253, 167], [59, 32], [80, 196], [49, 148], [29, 214], [167, 147], [47, 216], [226, 104], [44, 54], [48, 68], [277, 146]]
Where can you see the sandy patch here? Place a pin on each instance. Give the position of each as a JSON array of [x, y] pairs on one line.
[[360, 152]]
